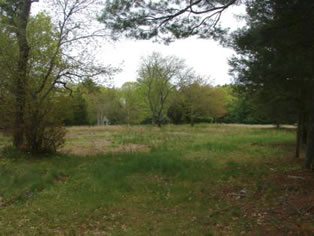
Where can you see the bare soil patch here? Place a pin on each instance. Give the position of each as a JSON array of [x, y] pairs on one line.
[[94, 147], [283, 204], [267, 126], [93, 140]]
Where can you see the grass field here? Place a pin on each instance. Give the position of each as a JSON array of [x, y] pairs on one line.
[[177, 180]]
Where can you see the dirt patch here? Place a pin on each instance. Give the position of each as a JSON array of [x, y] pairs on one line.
[[179, 133], [285, 208], [86, 148], [131, 147], [85, 135], [269, 126], [93, 140], [94, 147], [85, 129]]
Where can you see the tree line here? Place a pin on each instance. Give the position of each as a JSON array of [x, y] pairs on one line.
[[197, 102], [273, 71], [166, 91]]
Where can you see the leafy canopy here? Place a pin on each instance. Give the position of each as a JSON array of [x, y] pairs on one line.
[[164, 20]]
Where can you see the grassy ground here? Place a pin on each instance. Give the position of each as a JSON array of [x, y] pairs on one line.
[[177, 180]]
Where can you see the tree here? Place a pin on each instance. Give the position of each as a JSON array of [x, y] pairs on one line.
[[273, 108], [91, 92], [113, 106], [98, 103], [26, 100], [42, 64], [17, 15], [201, 100], [240, 109], [276, 51], [132, 103], [78, 109], [104, 105], [217, 102], [166, 20], [158, 76], [258, 107], [176, 109], [196, 100]]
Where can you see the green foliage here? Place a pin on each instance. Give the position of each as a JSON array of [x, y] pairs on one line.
[[158, 76], [103, 104], [90, 103], [133, 103], [258, 108], [165, 20], [176, 109], [40, 66], [196, 100], [79, 113], [269, 62], [217, 102], [240, 109], [274, 66], [42, 110]]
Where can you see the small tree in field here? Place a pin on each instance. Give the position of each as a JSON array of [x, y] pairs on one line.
[[158, 76]]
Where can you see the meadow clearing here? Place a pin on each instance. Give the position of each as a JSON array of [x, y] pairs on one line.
[[142, 180]]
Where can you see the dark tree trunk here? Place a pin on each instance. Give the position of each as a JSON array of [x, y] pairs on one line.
[[192, 121], [19, 114], [310, 138], [299, 134], [192, 116], [304, 129], [21, 77]]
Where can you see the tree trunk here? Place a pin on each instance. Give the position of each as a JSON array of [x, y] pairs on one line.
[[304, 129], [310, 138], [19, 114], [158, 121], [192, 116], [192, 121], [21, 76], [299, 134]]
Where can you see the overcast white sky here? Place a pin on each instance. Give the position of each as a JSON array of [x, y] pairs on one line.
[[206, 57]]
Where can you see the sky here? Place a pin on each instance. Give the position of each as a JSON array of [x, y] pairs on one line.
[[206, 57]]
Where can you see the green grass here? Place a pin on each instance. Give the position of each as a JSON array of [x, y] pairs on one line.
[[173, 187]]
